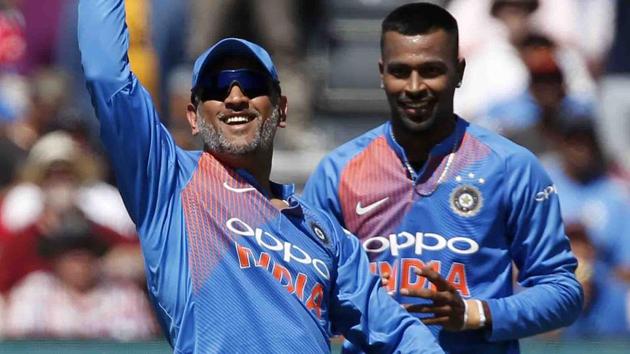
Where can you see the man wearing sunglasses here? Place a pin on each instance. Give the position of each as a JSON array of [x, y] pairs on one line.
[[235, 263]]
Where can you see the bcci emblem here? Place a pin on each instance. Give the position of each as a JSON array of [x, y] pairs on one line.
[[466, 200], [319, 232]]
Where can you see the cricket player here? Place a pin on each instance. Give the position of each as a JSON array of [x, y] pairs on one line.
[[444, 208], [235, 263]]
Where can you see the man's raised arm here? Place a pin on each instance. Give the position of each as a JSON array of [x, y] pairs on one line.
[[140, 148], [104, 41]]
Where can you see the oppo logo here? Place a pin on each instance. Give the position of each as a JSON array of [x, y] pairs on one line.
[[420, 242], [546, 193], [289, 251]]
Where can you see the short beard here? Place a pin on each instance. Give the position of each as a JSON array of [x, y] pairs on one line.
[[215, 142], [407, 123]]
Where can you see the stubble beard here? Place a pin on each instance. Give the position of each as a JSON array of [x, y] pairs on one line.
[[215, 142], [417, 127], [407, 123]]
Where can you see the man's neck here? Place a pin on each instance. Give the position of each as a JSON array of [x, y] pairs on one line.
[[258, 165], [417, 145]]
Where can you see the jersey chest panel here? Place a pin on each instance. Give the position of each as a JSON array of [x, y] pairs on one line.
[[241, 247]]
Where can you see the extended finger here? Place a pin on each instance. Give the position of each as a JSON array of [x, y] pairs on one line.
[[442, 310], [435, 278], [421, 292], [384, 281], [443, 297], [442, 320]]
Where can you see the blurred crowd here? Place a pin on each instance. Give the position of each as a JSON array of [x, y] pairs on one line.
[[552, 75]]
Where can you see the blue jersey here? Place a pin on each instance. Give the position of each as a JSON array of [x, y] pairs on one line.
[[226, 270], [478, 204]]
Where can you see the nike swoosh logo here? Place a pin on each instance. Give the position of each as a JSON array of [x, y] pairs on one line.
[[362, 210], [238, 190]]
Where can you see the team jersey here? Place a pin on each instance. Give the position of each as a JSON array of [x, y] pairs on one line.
[[227, 272], [478, 204]]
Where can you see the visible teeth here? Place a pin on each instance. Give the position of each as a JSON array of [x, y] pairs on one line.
[[418, 105], [237, 120]]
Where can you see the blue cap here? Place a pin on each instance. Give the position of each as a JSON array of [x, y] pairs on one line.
[[233, 47]]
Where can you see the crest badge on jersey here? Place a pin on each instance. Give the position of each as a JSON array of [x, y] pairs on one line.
[[320, 234], [466, 199]]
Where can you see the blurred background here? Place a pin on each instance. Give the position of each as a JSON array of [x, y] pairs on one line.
[[552, 75]]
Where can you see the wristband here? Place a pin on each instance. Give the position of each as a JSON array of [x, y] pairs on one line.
[[465, 315], [482, 314]]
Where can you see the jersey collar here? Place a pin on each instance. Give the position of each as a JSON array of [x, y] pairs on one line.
[[285, 192], [278, 190], [441, 149]]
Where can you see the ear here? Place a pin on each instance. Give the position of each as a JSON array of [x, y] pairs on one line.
[[461, 67], [283, 108], [191, 116], [381, 69]]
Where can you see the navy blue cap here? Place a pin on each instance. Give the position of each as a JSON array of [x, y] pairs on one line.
[[233, 47]]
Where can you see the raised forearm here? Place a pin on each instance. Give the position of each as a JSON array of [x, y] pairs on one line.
[[103, 40]]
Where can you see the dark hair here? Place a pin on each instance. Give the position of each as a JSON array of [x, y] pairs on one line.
[[529, 5], [420, 18]]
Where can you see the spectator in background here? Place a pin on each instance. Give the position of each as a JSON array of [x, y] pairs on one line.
[[58, 166], [13, 86], [584, 26], [41, 30], [12, 37], [614, 105], [29, 107], [604, 313], [495, 70], [46, 96], [33, 106], [589, 197], [74, 300], [528, 118], [60, 182]]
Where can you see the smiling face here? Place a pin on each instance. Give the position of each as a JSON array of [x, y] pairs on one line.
[[238, 124], [420, 74]]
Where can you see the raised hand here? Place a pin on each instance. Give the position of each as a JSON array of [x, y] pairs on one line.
[[448, 307]]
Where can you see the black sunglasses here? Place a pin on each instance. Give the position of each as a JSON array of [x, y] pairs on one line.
[[217, 86]]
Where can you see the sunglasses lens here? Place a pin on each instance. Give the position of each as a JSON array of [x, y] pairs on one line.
[[252, 83]]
